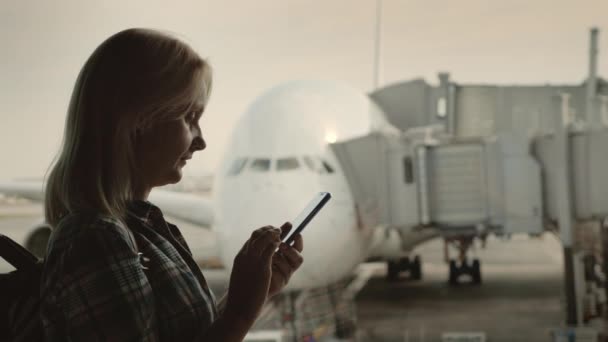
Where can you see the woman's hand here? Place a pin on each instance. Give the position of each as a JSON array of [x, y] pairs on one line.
[[285, 262], [251, 276]]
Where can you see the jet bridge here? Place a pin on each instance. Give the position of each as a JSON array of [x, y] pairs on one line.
[[461, 181], [458, 186], [588, 167]]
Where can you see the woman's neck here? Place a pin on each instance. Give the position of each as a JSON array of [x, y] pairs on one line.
[[141, 192]]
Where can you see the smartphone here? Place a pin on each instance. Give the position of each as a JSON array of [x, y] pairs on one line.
[[306, 215]]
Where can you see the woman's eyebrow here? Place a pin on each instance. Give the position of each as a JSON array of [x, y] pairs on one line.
[[197, 107]]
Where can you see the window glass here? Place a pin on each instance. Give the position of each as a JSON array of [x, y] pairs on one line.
[[237, 166], [285, 164], [261, 165], [408, 169]]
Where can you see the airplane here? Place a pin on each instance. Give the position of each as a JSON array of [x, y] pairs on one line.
[[277, 158]]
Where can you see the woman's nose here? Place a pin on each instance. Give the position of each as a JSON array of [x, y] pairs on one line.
[[198, 144]]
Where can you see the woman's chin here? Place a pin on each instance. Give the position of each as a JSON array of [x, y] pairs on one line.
[[177, 176], [174, 176]]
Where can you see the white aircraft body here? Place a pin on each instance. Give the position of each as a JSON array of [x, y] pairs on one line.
[[277, 160]]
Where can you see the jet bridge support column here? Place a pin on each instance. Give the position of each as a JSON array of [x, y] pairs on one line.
[[604, 236], [563, 185]]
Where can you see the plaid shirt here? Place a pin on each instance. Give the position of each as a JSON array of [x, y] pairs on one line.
[[97, 288]]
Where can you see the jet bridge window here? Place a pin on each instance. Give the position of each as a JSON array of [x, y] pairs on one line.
[[237, 166], [408, 169], [260, 165], [285, 164]]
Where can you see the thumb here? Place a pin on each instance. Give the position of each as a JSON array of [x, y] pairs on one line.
[[285, 228], [269, 250]]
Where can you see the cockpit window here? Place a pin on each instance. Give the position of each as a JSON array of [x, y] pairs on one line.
[[285, 164], [316, 164], [328, 168], [237, 166], [260, 165], [310, 163]]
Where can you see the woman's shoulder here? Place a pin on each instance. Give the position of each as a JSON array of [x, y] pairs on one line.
[[77, 229]]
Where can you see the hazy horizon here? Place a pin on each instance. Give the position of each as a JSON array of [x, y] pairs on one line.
[[254, 46]]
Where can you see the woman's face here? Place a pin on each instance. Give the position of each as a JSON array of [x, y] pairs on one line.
[[163, 149]]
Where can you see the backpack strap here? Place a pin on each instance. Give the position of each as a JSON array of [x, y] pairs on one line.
[[20, 300], [16, 255]]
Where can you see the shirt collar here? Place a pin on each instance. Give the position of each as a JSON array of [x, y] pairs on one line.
[[145, 211]]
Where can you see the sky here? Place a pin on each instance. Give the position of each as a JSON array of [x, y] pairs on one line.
[[255, 45]]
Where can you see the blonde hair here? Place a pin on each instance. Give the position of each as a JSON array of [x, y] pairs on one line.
[[135, 78]]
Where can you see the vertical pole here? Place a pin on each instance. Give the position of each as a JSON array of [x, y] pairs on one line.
[[604, 235], [447, 94], [591, 89], [377, 43], [292, 310], [563, 186]]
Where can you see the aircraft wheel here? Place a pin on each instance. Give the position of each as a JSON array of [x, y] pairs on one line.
[[453, 273], [404, 264], [416, 268], [476, 271], [392, 273], [345, 328]]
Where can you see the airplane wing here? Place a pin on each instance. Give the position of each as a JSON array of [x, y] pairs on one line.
[[185, 206], [188, 207], [188, 211], [32, 190]]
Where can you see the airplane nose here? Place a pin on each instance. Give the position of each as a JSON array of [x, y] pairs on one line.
[[328, 239], [269, 207]]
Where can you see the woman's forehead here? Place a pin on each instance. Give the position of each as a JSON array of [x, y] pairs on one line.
[[198, 104], [199, 99]]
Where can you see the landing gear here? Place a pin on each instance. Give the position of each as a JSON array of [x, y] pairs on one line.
[[413, 267], [473, 270], [346, 328], [462, 266]]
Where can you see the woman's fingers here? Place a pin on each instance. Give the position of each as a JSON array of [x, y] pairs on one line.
[[298, 243], [281, 266], [285, 228], [263, 237], [292, 256], [245, 248], [260, 233], [268, 250]]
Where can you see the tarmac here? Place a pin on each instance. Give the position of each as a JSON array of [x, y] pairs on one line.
[[519, 300]]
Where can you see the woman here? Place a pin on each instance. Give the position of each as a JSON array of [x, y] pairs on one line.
[[115, 269]]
